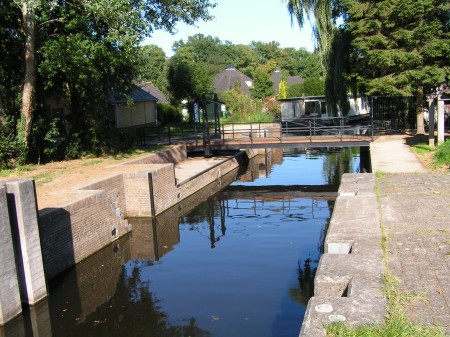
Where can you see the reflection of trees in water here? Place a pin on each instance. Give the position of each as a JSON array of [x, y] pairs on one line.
[[324, 230], [208, 212], [337, 163], [305, 276], [307, 272], [132, 311]]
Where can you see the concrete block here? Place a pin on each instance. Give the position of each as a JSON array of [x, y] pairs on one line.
[[358, 274], [21, 193], [322, 311], [10, 305]]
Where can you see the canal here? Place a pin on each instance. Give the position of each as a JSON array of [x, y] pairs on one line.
[[236, 259]]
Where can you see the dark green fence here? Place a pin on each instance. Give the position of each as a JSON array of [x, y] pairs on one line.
[[394, 113]]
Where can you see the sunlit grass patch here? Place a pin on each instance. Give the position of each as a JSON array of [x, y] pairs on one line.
[[92, 162], [396, 323], [16, 170], [42, 179]]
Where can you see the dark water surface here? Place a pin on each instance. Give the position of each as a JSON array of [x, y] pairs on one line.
[[235, 260]]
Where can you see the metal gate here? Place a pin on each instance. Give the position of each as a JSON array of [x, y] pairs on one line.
[[394, 113]]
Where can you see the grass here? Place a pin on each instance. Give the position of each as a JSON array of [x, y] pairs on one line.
[[396, 322], [92, 162], [440, 155], [42, 179], [18, 169]]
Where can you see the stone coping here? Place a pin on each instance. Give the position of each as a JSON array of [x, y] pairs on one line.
[[347, 285]]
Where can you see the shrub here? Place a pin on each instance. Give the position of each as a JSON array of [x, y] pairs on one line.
[[8, 147], [442, 156], [310, 87], [168, 114], [73, 148], [241, 106]]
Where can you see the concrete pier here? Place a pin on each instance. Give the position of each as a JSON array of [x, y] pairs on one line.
[[27, 244], [10, 305]]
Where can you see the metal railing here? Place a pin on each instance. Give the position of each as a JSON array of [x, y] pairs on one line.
[[311, 129], [332, 127], [170, 134]]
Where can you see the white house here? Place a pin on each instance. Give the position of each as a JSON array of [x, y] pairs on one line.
[[315, 106]]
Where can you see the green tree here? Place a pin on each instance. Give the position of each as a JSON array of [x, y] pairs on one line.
[[189, 79], [152, 62], [206, 49], [99, 39], [282, 89], [310, 87], [399, 47], [266, 50], [262, 84], [322, 14]]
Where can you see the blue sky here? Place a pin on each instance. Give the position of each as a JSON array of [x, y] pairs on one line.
[[241, 22]]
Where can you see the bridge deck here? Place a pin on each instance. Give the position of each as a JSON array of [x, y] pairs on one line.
[[284, 142]]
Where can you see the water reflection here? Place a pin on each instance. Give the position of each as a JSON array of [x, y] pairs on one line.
[[232, 260]]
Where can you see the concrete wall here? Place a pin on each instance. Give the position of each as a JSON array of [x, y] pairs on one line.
[[347, 285]]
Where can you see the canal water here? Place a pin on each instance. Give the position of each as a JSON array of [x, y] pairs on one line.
[[236, 259]]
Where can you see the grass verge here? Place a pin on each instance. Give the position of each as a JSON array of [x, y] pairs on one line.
[[439, 156]]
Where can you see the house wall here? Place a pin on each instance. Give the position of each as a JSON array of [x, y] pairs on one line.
[[299, 108], [357, 107], [137, 114]]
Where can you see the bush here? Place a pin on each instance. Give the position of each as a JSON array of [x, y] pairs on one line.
[[168, 114], [73, 148], [241, 106], [8, 146], [442, 156], [310, 87]]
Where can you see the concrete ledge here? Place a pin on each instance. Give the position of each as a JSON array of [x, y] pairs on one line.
[[322, 311], [347, 285]]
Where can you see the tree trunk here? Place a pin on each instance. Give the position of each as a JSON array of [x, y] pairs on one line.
[[419, 111], [30, 67]]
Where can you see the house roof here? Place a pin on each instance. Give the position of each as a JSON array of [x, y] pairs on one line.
[[276, 78], [295, 79], [137, 95], [227, 78], [142, 92], [154, 91]]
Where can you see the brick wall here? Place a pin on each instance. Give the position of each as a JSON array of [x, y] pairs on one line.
[[73, 232]]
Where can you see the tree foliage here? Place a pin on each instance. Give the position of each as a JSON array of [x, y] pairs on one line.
[[398, 46], [78, 51], [310, 87], [262, 84], [386, 47]]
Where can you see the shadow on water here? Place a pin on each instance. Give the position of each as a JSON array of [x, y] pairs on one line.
[[171, 275]]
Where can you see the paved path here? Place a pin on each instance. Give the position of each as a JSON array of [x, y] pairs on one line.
[[391, 154], [416, 214]]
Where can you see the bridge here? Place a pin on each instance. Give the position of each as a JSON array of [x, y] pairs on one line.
[[304, 133]]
